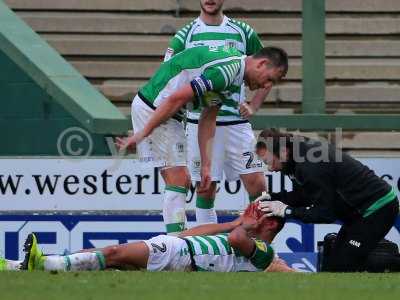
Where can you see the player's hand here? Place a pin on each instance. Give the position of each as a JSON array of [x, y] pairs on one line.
[[126, 143], [205, 182], [246, 111], [273, 208], [279, 265], [251, 224]]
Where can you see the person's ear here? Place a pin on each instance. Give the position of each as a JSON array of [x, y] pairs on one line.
[[284, 154], [262, 63]]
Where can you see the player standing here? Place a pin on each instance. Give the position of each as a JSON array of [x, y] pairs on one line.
[[207, 76], [233, 149]]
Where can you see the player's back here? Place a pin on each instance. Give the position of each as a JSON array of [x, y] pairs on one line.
[[214, 253], [183, 68]]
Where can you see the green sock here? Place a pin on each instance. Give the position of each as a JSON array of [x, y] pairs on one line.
[[253, 198], [205, 203]]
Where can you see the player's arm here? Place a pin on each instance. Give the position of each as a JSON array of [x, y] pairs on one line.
[[279, 266], [240, 237], [316, 181], [174, 47], [212, 229], [258, 252], [214, 80], [177, 43], [206, 132], [254, 45], [163, 112], [169, 108], [249, 109]]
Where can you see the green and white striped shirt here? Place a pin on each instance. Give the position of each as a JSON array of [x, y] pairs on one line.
[[215, 74], [230, 33], [214, 253]]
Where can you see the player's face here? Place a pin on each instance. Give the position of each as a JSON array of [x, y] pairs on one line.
[[264, 75], [211, 7]]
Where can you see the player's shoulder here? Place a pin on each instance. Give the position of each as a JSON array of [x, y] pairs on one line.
[[248, 30], [185, 29]]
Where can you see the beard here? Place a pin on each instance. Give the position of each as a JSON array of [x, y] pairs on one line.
[[213, 12]]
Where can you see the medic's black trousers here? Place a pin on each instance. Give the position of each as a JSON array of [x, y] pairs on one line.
[[356, 239]]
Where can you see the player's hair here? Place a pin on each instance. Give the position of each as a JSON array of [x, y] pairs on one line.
[[274, 140], [281, 223], [252, 211], [277, 56]]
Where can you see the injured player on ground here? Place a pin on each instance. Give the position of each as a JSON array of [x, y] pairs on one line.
[[240, 245]]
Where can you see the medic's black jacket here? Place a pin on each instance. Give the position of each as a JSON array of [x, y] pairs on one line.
[[329, 190]]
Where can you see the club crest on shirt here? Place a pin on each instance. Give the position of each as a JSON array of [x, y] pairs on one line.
[[231, 44], [180, 148]]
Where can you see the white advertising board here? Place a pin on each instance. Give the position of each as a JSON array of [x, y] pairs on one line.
[[106, 184]]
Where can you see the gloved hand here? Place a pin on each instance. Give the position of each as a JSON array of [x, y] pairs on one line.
[[272, 208], [264, 197]]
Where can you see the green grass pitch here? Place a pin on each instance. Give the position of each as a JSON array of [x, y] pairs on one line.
[[189, 286]]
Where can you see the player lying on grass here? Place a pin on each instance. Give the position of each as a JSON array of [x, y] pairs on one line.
[[243, 245]]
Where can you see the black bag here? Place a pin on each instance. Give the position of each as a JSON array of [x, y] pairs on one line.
[[384, 258]]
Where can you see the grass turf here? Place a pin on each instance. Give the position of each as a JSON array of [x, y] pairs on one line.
[[190, 286]]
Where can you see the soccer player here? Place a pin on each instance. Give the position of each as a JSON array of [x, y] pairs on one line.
[[233, 150], [209, 76], [329, 185], [246, 247]]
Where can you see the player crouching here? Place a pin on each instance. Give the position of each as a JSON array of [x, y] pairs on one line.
[[240, 245]]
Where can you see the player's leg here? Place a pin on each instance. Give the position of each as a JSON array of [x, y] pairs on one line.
[[171, 146], [205, 211], [168, 253], [254, 184], [166, 147], [242, 161], [132, 255], [10, 265], [177, 182]]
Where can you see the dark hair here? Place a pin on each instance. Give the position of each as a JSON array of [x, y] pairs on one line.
[[281, 222], [274, 140], [277, 56]]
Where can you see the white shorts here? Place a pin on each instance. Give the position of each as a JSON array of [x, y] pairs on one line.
[[166, 145], [168, 253], [233, 152]]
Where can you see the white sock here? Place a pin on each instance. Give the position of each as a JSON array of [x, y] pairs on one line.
[[206, 216], [205, 211], [174, 209], [13, 265], [86, 261]]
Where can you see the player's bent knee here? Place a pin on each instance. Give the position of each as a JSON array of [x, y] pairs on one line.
[[178, 176]]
